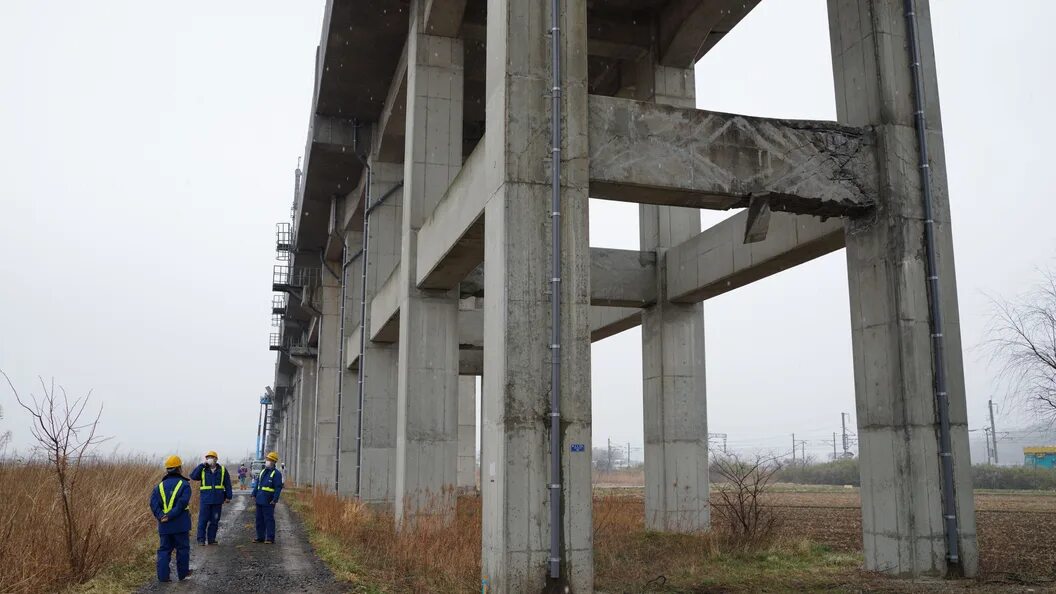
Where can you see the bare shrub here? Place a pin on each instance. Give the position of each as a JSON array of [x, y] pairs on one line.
[[749, 522], [1022, 343]]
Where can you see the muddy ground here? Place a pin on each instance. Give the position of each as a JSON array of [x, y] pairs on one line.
[[238, 564]]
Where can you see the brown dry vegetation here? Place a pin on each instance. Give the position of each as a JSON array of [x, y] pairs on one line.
[[110, 503]]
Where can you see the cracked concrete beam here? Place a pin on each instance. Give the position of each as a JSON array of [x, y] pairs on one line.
[[658, 154], [717, 261]]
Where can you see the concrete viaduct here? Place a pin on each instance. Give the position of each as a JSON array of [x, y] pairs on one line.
[[436, 111]]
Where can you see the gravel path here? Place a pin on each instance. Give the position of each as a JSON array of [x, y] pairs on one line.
[[238, 564]]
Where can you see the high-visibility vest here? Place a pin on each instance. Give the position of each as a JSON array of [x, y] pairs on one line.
[[260, 479], [206, 487], [166, 505]]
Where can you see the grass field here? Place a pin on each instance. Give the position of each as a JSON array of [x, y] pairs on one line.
[[817, 547]]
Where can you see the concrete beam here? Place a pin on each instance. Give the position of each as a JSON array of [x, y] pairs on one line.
[[689, 28], [618, 38], [609, 321], [717, 261], [444, 17], [393, 121], [451, 241], [622, 278], [658, 154], [385, 310]]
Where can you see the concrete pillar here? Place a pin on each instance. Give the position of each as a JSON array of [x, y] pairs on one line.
[[467, 432], [673, 389], [293, 425], [349, 392], [306, 424], [328, 369], [427, 385], [516, 523], [902, 517], [378, 474]]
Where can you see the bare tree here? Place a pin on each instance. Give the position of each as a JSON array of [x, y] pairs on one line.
[[749, 520], [65, 432], [1022, 342]]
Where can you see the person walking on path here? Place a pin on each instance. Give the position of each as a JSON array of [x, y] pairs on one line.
[[170, 503], [266, 495], [215, 491], [243, 475]]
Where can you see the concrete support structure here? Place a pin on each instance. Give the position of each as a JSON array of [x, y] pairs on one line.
[[306, 424], [674, 387], [452, 99], [515, 446], [467, 433], [427, 383], [902, 517], [324, 448], [378, 471]]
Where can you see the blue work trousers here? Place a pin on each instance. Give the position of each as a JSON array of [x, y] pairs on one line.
[[265, 522], [181, 542], [209, 521]]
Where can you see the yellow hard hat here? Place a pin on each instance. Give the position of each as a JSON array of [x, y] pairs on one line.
[[211, 454], [173, 462], [273, 456]]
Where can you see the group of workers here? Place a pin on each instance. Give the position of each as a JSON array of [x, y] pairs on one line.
[[171, 504]]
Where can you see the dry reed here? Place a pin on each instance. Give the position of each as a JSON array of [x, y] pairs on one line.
[[110, 501]]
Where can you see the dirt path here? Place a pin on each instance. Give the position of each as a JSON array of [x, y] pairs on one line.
[[238, 564]]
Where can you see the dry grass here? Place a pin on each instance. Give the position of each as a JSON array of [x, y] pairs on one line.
[[363, 548], [110, 502]]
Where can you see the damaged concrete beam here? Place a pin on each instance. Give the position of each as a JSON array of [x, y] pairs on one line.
[[657, 154], [716, 261]]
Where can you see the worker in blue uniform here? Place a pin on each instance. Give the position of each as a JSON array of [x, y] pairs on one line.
[[170, 501], [214, 492], [266, 495]]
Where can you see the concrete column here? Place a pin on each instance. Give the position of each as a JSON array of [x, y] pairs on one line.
[[517, 321], [349, 392], [902, 494], [467, 432], [674, 388], [427, 385], [378, 473], [329, 367], [306, 424], [293, 425]]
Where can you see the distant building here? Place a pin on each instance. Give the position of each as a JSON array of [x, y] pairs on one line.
[[1040, 456]]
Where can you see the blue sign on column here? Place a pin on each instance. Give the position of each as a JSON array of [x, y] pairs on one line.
[[578, 447]]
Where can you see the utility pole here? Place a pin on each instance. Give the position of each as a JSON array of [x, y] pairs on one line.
[[989, 449], [846, 442], [834, 455], [610, 453], [627, 462], [793, 448], [993, 430], [803, 449]]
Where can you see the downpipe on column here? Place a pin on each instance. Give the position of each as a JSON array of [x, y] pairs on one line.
[[555, 291], [340, 365], [938, 346]]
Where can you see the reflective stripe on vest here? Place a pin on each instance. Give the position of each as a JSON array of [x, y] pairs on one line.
[[261, 479], [205, 487], [166, 506]]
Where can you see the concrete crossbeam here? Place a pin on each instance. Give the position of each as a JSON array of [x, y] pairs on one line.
[[385, 309], [452, 238], [393, 120], [444, 17], [622, 278], [657, 154], [717, 260]]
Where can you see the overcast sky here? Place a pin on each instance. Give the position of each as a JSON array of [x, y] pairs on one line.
[[147, 150]]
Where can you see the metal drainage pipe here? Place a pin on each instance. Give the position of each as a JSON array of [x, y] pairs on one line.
[[942, 400], [555, 290]]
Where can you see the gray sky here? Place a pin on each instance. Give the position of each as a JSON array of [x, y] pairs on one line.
[[147, 152]]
